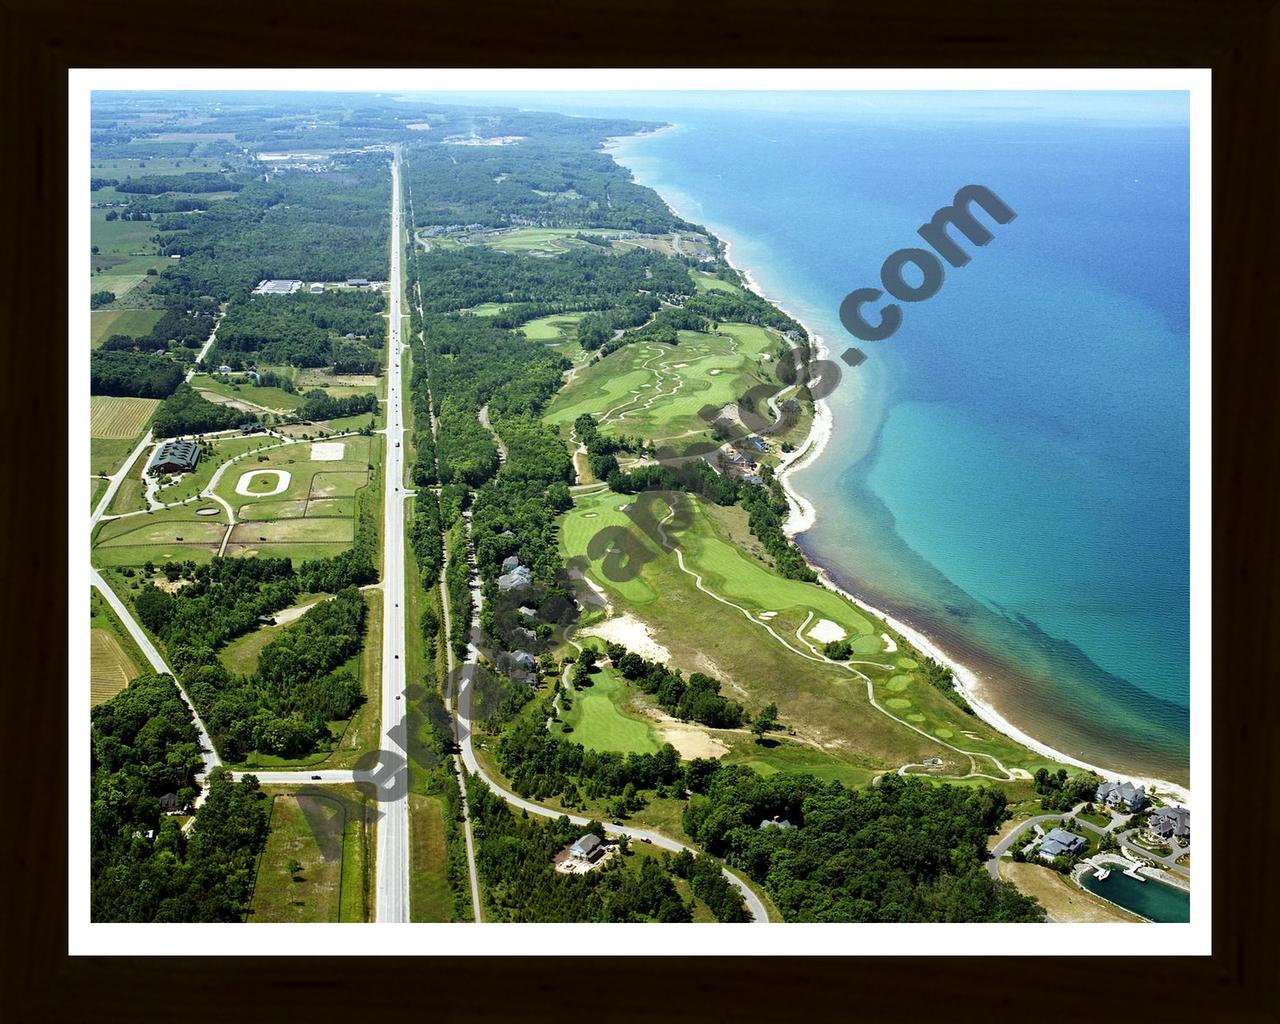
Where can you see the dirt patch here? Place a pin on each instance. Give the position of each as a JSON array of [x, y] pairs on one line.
[[1064, 901], [691, 741], [171, 586]]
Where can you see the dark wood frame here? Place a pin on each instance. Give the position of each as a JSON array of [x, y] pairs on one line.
[[1238, 39]]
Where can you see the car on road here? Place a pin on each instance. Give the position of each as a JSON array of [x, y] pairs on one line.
[[315, 778]]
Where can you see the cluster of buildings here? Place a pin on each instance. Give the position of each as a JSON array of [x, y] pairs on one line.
[[282, 286], [437, 230], [514, 575]]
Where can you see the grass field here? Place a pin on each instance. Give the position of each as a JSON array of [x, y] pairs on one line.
[[486, 309], [558, 331], [137, 168], [762, 660], [599, 721], [270, 399], [657, 391], [430, 896], [241, 655], [544, 241], [114, 658], [134, 322], [334, 882], [120, 419], [176, 534]]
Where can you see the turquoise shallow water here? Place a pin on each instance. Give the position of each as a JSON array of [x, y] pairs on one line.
[[1010, 471], [1152, 900]]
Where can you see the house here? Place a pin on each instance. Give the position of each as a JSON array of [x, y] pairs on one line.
[[174, 457], [1169, 822], [224, 368], [588, 848], [524, 660], [357, 282], [528, 612], [758, 444], [1122, 795], [248, 428], [317, 288], [777, 821], [1061, 843], [169, 803], [517, 579], [510, 562]]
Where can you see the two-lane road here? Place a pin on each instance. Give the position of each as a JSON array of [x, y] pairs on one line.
[[393, 828]]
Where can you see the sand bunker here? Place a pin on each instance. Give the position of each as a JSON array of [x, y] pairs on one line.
[[246, 479], [327, 451], [690, 741], [826, 631], [632, 634], [889, 646], [767, 615]]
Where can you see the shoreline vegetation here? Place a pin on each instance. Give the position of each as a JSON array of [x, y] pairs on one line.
[[803, 515]]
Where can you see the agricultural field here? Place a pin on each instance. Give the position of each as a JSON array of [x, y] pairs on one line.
[[114, 658], [119, 419], [305, 877], [656, 390], [134, 322], [297, 500], [116, 425], [600, 719], [124, 167], [125, 252], [762, 636]]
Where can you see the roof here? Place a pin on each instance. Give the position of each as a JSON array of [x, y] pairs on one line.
[[777, 821], [178, 453], [1059, 841], [510, 562], [1178, 819], [586, 846], [516, 579], [524, 659], [277, 287]]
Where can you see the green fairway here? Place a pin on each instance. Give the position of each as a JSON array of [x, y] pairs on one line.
[[599, 722], [333, 880], [656, 390], [558, 331], [762, 659], [710, 283]]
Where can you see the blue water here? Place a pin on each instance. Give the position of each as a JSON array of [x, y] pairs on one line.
[[1009, 471]]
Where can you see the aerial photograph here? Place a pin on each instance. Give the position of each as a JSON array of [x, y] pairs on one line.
[[637, 507]]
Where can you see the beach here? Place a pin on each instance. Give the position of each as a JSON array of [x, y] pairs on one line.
[[804, 515]]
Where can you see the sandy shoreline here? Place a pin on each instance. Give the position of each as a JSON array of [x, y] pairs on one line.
[[803, 515]]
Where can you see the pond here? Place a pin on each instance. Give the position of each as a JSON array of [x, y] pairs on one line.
[[1150, 899]]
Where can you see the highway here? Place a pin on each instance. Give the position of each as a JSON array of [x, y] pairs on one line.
[[392, 899]]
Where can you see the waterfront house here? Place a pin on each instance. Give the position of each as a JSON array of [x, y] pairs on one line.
[[1122, 795], [1170, 822], [1061, 843]]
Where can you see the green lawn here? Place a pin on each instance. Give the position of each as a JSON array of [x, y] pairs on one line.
[[430, 896], [599, 720], [169, 535], [710, 283]]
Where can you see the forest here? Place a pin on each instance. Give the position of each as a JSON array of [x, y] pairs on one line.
[[305, 330], [513, 859], [132, 375], [192, 181], [185, 411], [905, 849], [144, 867]]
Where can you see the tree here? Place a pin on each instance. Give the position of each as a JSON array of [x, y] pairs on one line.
[[295, 869]]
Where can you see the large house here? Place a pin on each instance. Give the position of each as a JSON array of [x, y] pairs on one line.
[[1169, 822], [1122, 795], [588, 848], [1061, 843], [516, 579], [175, 457]]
